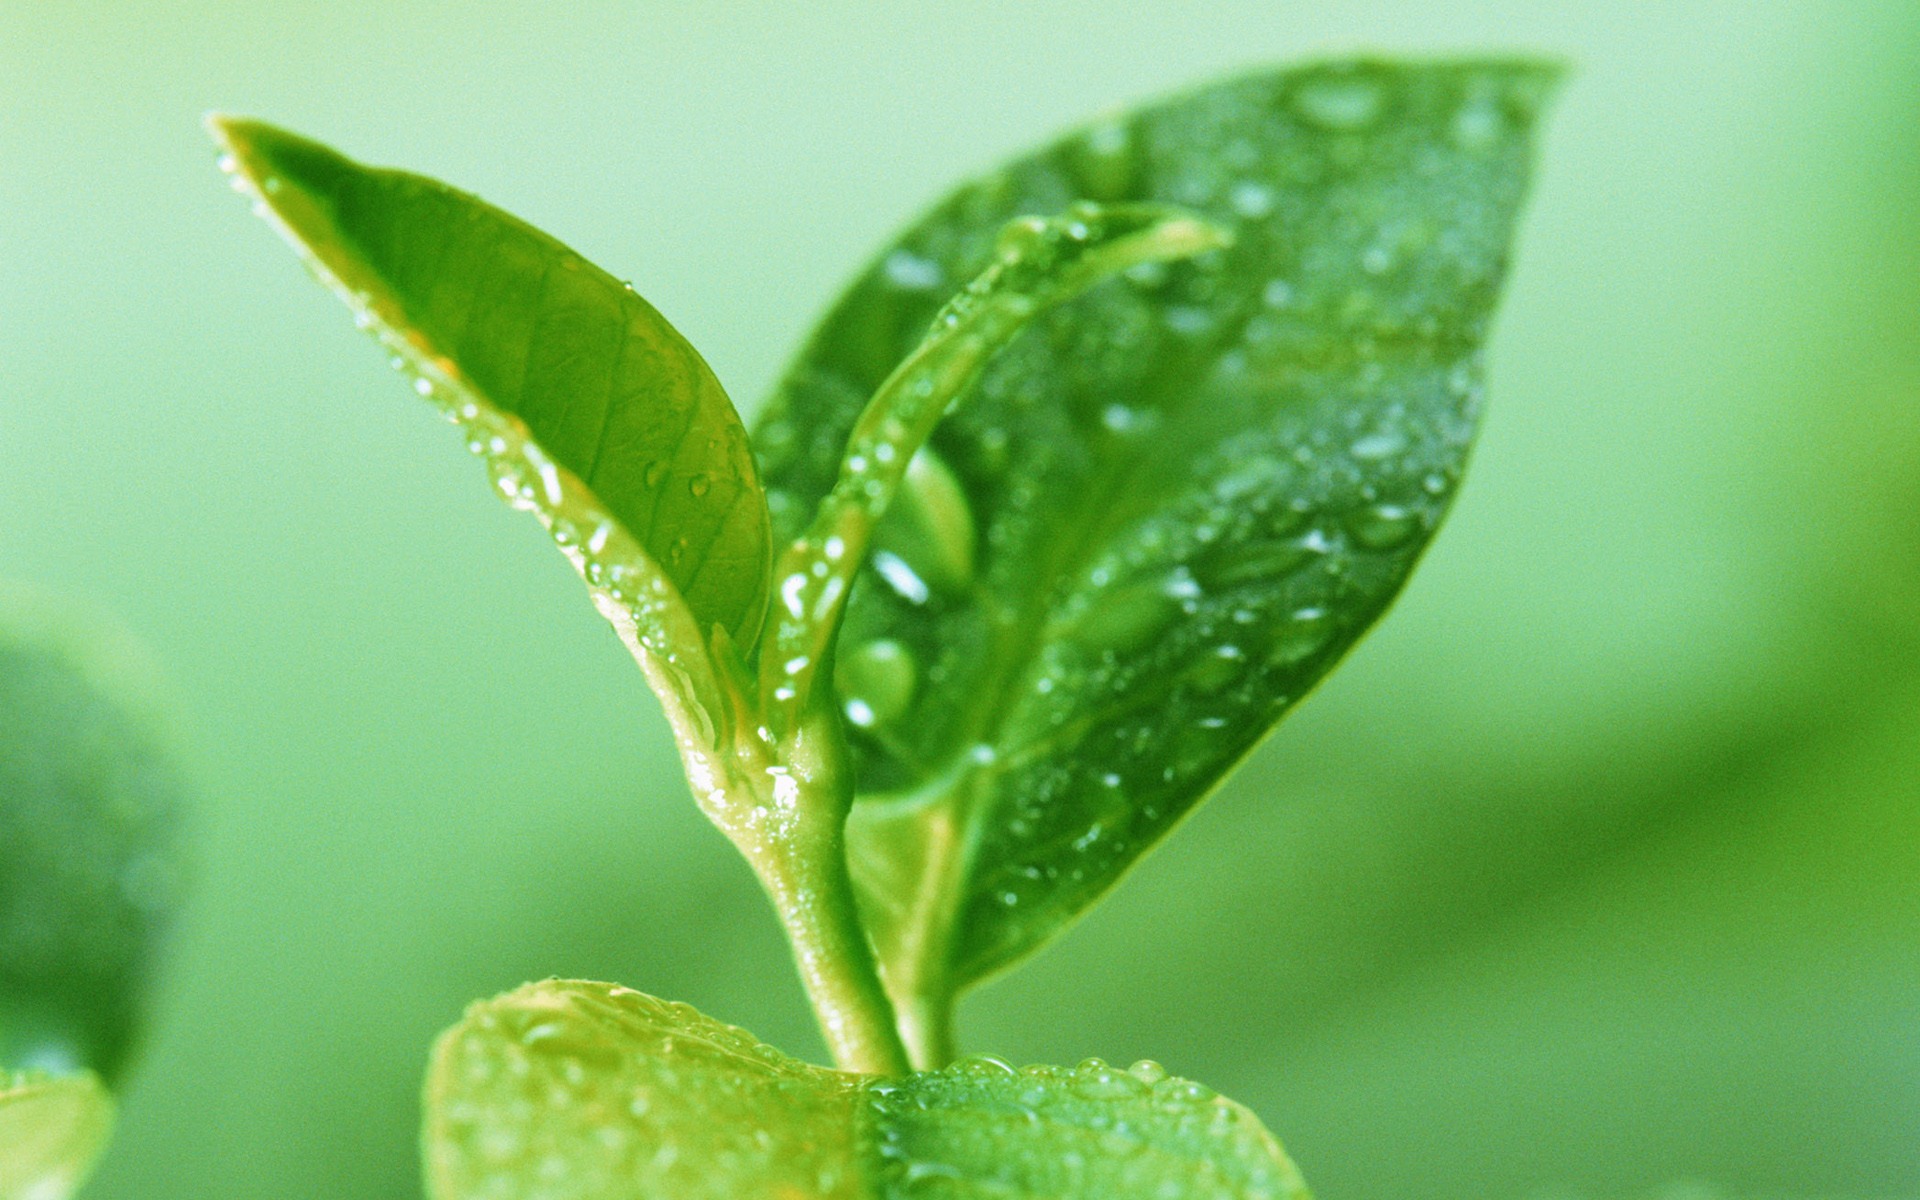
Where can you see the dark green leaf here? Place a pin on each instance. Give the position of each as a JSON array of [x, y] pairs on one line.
[[53, 1128], [90, 848], [585, 1091], [1038, 264], [1182, 496], [593, 412]]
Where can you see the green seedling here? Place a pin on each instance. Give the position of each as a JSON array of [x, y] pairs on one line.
[[1089, 477]]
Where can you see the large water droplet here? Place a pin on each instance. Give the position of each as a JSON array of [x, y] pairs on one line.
[[1383, 526], [1238, 565], [930, 524], [1216, 670], [876, 681], [903, 579], [1301, 636], [1124, 617], [1381, 444]]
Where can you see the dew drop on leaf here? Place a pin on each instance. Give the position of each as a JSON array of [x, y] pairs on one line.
[[1383, 526], [1300, 637], [876, 681], [1345, 104]]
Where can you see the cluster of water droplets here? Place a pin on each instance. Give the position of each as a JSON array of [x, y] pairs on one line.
[[982, 1128], [571, 1089], [1370, 208]]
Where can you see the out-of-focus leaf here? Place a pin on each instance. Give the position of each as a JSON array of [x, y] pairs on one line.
[[53, 1129], [592, 411], [1165, 512], [90, 848], [585, 1091]]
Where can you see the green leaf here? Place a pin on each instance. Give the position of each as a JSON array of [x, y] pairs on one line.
[[1038, 264], [53, 1129], [586, 1091], [1165, 512], [592, 411], [91, 807]]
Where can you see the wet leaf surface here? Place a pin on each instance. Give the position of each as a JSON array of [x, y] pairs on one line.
[[586, 1091], [1168, 509], [592, 412]]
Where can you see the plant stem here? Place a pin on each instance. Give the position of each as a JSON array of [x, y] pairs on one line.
[[926, 1025], [783, 801], [813, 895]]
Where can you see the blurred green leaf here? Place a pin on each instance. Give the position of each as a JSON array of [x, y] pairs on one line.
[[90, 847], [586, 1091], [591, 410], [53, 1129], [1186, 494]]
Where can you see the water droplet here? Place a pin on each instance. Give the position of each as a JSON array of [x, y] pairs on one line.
[[1251, 200], [1216, 670], [1479, 125], [1380, 445], [655, 472], [929, 527], [1258, 562], [1095, 1080], [1383, 526], [700, 485], [988, 1065], [901, 577], [1342, 103], [1147, 1071], [911, 273], [1188, 320], [1303, 635], [1125, 617], [876, 681]]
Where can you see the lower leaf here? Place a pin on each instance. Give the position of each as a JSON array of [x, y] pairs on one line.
[[53, 1129], [586, 1091]]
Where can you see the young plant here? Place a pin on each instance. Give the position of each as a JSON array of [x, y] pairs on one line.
[[1087, 479]]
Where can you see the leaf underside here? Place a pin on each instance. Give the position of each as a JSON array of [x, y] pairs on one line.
[[586, 1091], [53, 1129], [593, 411], [1166, 511]]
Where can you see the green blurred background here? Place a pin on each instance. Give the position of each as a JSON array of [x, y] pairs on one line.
[[1595, 870]]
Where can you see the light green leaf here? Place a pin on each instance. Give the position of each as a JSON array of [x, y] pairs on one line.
[[1182, 497], [592, 411], [53, 1129], [586, 1091], [91, 808]]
